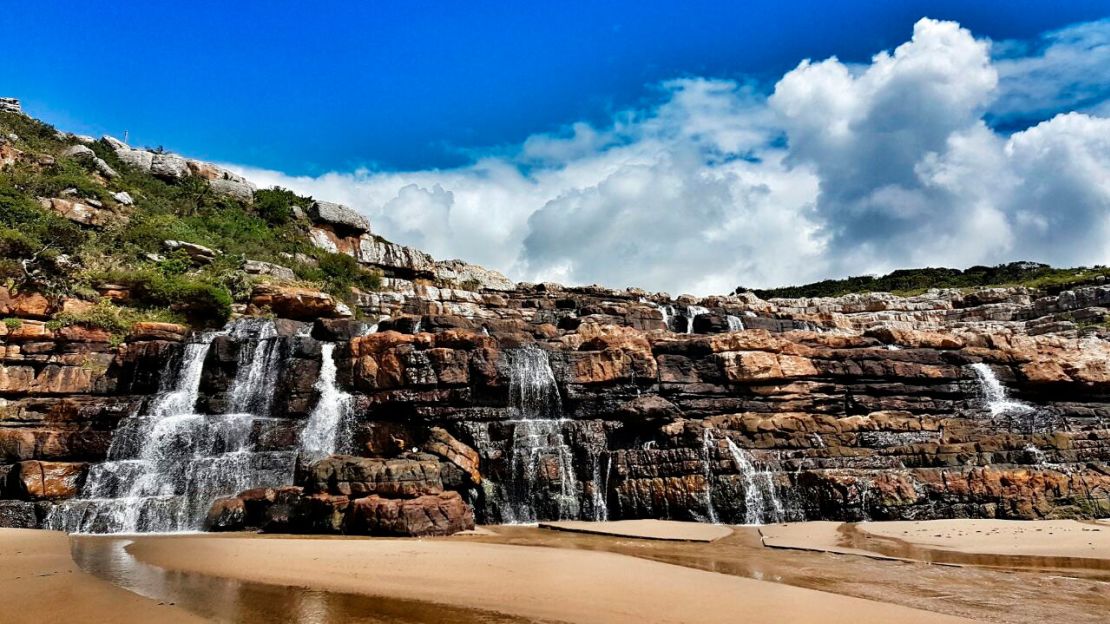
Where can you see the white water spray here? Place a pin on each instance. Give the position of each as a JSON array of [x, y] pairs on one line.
[[332, 412]]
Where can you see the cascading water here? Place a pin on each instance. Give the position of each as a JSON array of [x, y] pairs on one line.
[[536, 477], [761, 501], [734, 323], [995, 397], [692, 312], [331, 416], [166, 465], [707, 446], [249, 393]]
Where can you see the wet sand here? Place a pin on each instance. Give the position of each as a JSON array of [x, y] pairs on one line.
[[511, 574], [551, 584], [1007, 596], [1056, 546], [667, 530], [1044, 538], [39, 582]]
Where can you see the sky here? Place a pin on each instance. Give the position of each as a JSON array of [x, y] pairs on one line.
[[686, 147]]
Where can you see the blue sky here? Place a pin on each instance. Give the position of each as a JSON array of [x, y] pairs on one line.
[[310, 87], [687, 148]]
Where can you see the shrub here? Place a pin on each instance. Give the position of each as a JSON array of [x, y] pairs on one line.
[[116, 319], [197, 297], [13, 323], [275, 205]]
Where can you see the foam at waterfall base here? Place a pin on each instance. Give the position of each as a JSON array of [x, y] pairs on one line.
[[166, 465]]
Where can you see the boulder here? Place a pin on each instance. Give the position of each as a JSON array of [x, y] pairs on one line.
[[438, 514], [78, 212], [46, 480], [124, 198], [445, 445], [150, 330], [10, 105], [197, 253], [168, 166], [226, 514], [339, 216], [296, 302], [139, 159], [79, 152], [394, 257], [357, 477], [257, 267]]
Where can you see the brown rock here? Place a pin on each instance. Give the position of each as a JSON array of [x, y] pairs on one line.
[[362, 476], [158, 331], [77, 212], [745, 366], [226, 514], [446, 446], [295, 302], [42, 480], [440, 514]]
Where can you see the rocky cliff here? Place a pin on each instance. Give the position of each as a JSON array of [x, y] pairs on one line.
[[449, 395]]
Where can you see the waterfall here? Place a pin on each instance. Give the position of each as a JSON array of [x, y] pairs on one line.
[[533, 392], [761, 501], [707, 461], [166, 465], [734, 323], [995, 396], [692, 311], [601, 487], [530, 463], [331, 415], [251, 392], [1037, 455]]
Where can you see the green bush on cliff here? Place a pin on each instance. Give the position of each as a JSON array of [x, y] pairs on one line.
[[916, 281], [275, 205], [113, 318], [339, 273], [198, 298], [41, 250]]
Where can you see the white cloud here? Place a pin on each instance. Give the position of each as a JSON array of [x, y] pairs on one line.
[[842, 170], [1064, 69]]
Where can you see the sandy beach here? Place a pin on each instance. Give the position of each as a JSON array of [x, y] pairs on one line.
[[666, 530], [538, 583], [1046, 538], [40, 582], [821, 572]]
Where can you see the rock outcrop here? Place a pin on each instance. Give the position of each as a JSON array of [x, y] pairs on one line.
[[452, 394]]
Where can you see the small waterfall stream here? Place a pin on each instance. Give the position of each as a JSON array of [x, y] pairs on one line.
[[761, 501], [536, 477], [997, 400], [692, 311], [166, 465], [734, 323], [707, 446], [323, 432]]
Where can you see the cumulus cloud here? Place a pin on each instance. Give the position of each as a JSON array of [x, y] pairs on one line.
[[841, 169]]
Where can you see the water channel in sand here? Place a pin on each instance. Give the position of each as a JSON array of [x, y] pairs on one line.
[[986, 594]]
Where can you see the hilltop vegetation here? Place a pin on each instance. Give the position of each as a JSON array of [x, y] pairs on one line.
[[119, 241], [916, 281]]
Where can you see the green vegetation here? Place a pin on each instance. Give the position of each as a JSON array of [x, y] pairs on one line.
[[915, 281], [45, 252], [116, 319], [13, 323]]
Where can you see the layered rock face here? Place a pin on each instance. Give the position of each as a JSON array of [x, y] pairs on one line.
[[543, 403]]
